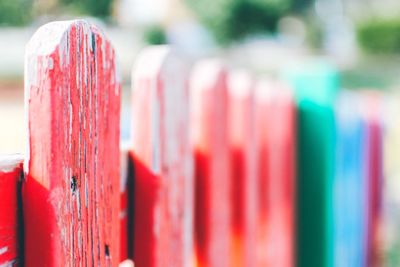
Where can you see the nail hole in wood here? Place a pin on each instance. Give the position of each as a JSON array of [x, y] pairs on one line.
[[107, 250], [74, 184]]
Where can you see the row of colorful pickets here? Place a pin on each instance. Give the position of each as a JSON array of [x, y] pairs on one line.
[[223, 168]]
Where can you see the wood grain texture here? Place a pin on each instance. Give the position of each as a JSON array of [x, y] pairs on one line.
[[163, 187], [11, 174], [209, 124], [71, 193]]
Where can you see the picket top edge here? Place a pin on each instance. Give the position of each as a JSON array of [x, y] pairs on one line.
[[348, 107], [46, 40], [48, 36], [10, 162], [206, 73], [371, 106], [150, 61], [267, 89], [240, 83]]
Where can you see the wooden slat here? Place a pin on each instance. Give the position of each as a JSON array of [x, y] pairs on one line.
[[315, 89], [212, 181], [71, 193], [275, 136], [241, 138], [350, 196], [163, 178], [372, 108], [10, 210]]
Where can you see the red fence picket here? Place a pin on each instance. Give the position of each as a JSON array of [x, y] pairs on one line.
[[71, 192], [10, 210], [241, 136], [210, 146], [163, 204], [275, 135]]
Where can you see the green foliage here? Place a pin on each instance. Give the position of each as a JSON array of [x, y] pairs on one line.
[[155, 35], [301, 5], [15, 12], [232, 20], [381, 36], [96, 8]]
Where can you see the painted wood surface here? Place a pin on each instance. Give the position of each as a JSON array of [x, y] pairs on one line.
[[71, 193], [163, 175], [275, 137], [315, 88], [350, 186], [212, 167], [11, 175], [372, 112], [241, 138]]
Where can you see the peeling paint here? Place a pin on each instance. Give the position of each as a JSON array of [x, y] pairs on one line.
[[3, 250], [73, 122]]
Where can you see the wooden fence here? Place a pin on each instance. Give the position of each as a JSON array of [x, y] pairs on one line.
[[223, 169]]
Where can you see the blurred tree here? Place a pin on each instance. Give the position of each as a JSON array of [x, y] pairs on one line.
[[15, 12], [96, 8], [232, 20], [155, 35], [380, 35], [301, 5]]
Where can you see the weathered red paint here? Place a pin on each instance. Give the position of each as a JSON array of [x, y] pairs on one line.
[[241, 136], [71, 193], [10, 210], [212, 170], [372, 116], [163, 179], [275, 137]]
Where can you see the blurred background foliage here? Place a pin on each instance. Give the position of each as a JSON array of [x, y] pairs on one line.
[[348, 25], [22, 12], [10, 12], [233, 20], [96, 8], [380, 35], [155, 35]]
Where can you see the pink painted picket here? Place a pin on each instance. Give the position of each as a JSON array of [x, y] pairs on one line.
[[241, 137], [276, 147], [71, 192], [163, 178], [209, 128]]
